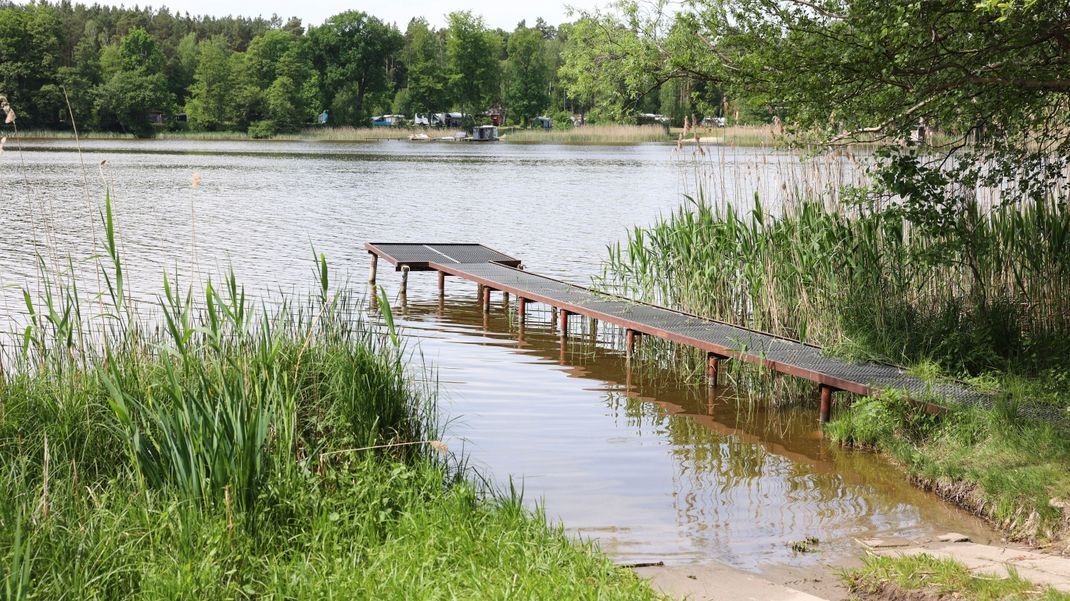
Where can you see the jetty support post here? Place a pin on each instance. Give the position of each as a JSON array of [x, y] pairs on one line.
[[564, 322], [521, 302], [404, 280], [486, 299], [826, 403], [441, 283], [631, 335], [372, 269], [713, 366]]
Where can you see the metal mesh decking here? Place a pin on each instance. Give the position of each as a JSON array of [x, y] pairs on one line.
[[417, 256], [781, 354]]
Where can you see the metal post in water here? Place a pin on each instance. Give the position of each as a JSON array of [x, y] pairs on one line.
[[712, 366], [371, 272], [826, 403], [404, 280], [520, 303], [564, 323], [631, 336], [441, 283], [486, 299]]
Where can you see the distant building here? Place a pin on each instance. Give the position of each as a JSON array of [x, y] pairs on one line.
[[496, 114], [484, 133]]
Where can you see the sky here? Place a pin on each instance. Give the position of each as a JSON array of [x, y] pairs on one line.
[[498, 13]]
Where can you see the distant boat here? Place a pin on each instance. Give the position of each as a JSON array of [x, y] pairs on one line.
[[419, 138]]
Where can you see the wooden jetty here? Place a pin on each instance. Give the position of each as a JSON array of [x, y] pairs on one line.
[[496, 271]]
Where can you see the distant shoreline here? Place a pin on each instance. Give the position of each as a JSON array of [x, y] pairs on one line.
[[594, 135]]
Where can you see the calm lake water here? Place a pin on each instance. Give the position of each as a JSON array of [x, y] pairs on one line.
[[654, 469]]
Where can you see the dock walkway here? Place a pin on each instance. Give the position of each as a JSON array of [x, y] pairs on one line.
[[493, 270]]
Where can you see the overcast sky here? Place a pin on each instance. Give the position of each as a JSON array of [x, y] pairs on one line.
[[498, 13]]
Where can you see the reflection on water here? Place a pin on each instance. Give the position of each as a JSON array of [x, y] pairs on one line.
[[651, 468]]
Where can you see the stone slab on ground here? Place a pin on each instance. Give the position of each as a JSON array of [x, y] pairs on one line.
[[1038, 568], [716, 582]]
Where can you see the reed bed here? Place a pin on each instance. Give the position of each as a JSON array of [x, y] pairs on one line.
[[866, 281], [224, 448], [361, 134], [591, 134]]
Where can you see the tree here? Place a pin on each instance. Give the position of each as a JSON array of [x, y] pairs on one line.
[[212, 105], [527, 79], [992, 76], [472, 62], [29, 56], [353, 51], [136, 85], [425, 64]]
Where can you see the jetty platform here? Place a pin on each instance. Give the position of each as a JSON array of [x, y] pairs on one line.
[[495, 271]]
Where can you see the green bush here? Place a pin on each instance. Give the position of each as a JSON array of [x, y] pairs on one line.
[[262, 129]]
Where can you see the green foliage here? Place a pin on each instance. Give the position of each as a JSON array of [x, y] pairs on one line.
[[472, 62], [833, 278], [352, 51], [212, 102], [527, 78], [226, 448], [29, 53], [424, 58]]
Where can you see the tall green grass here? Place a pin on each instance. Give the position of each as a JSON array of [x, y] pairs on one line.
[[220, 447], [867, 282]]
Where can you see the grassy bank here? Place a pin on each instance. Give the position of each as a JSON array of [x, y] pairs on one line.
[[998, 463], [924, 578], [228, 449]]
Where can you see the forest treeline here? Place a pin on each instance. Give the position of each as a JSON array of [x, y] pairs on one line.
[[141, 69]]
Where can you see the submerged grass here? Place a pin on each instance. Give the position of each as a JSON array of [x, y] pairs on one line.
[[222, 448], [926, 577]]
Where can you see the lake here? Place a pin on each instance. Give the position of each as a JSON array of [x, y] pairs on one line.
[[653, 468]]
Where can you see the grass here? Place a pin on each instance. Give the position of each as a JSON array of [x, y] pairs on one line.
[[223, 448], [930, 578], [1001, 464]]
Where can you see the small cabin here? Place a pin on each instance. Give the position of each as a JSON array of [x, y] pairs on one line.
[[484, 133]]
